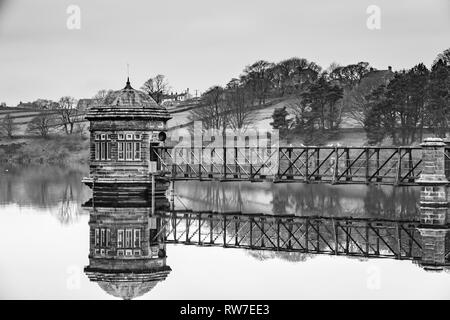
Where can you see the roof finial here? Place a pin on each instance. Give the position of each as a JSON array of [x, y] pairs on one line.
[[128, 85]]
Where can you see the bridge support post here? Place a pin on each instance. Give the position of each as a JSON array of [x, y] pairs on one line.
[[433, 204]]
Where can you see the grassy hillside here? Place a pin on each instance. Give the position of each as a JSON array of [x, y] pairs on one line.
[[54, 149]]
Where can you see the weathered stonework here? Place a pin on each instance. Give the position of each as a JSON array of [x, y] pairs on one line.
[[433, 164], [433, 248], [122, 130], [433, 182], [434, 200]]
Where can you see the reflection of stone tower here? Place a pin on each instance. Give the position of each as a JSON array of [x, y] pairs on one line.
[[123, 259], [433, 205]]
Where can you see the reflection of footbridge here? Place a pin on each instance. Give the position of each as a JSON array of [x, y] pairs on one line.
[[320, 235]]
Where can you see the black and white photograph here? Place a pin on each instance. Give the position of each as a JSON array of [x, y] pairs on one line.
[[229, 151]]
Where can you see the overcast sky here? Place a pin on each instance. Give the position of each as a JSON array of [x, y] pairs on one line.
[[200, 43]]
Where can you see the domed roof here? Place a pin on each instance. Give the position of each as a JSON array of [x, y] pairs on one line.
[[128, 103], [127, 284], [127, 290]]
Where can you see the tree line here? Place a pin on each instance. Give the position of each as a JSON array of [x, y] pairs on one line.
[[414, 100], [232, 106], [399, 106], [64, 116]]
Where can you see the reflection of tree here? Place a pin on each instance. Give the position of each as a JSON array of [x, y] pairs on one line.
[[214, 196], [306, 200], [391, 201], [68, 211], [300, 199], [45, 187], [263, 255], [41, 186], [279, 201]]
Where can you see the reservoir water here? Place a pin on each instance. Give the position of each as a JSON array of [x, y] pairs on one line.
[[45, 243]]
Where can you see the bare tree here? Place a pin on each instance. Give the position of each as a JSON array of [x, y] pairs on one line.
[[238, 105], [68, 114], [7, 126], [80, 128], [100, 95], [156, 87], [211, 110], [41, 124]]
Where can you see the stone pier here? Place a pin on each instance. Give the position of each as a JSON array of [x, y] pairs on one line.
[[434, 201]]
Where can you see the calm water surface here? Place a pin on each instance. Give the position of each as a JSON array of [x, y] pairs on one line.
[[44, 236]]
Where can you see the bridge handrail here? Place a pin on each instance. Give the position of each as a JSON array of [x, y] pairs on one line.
[[286, 216]]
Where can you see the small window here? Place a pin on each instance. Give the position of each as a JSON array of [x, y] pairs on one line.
[[103, 136], [128, 253], [120, 234], [120, 253], [121, 136], [129, 136], [97, 137], [97, 237], [108, 151], [128, 238], [137, 253], [121, 154], [137, 238], [137, 151], [102, 252], [103, 237], [103, 151], [137, 137], [97, 151], [129, 151], [108, 137]]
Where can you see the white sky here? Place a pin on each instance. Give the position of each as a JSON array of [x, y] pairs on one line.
[[200, 43]]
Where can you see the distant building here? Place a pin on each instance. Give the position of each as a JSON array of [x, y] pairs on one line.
[[176, 98], [26, 105]]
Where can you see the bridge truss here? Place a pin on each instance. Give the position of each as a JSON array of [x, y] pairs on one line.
[[319, 235], [337, 165]]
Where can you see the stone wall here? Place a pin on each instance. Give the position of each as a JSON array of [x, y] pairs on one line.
[[434, 201]]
